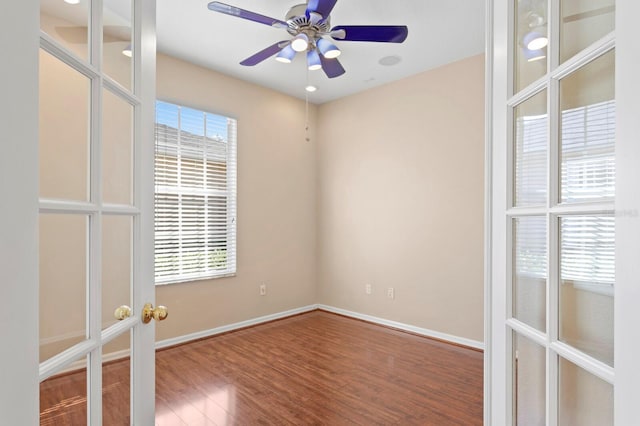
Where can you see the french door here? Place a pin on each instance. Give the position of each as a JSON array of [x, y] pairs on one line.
[[564, 213], [91, 173]]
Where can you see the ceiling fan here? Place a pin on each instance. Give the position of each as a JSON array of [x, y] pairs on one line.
[[310, 24]]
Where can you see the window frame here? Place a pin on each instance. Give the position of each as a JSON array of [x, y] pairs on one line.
[[229, 193]]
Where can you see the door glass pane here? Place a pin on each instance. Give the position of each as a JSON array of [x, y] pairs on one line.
[[587, 276], [531, 41], [64, 130], [116, 381], [529, 382], [585, 399], [117, 150], [530, 270], [530, 152], [587, 138], [63, 399], [116, 38], [117, 267], [68, 23], [584, 22], [63, 282]]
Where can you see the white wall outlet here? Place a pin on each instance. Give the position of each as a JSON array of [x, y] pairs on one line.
[[391, 293], [263, 289], [367, 288]]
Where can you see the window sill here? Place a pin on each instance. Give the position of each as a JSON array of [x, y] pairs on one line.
[[597, 288], [195, 279]]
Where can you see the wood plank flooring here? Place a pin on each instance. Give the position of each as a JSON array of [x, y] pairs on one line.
[[313, 369]]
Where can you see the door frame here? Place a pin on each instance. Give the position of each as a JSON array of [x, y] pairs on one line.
[[627, 298], [143, 354], [19, 40], [627, 210], [19, 163]]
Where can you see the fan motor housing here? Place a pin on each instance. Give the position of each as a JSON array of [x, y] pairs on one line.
[[298, 22]]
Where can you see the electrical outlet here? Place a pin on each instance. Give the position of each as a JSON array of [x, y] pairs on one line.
[[391, 293], [367, 288], [263, 289]]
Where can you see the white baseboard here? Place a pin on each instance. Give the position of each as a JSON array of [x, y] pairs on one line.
[[113, 356], [235, 326], [256, 321], [406, 327], [381, 321]]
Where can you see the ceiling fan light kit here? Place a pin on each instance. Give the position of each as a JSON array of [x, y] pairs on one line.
[[286, 55], [309, 23], [328, 49], [313, 60], [533, 32], [300, 42], [127, 51], [535, 40]]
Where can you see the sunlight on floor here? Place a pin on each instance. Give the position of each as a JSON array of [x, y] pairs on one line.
[[217, 408]]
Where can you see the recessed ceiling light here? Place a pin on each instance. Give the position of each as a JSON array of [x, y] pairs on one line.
[[311, 88], [72, 1], [388, 61]]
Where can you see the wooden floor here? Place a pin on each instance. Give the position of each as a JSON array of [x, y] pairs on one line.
[[313, 369]]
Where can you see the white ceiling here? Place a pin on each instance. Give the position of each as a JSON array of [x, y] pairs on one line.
[[440, 32]]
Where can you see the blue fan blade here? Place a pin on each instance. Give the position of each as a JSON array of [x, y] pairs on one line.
[[379, 33], [216, 6], [263, 54], [321, 7], [331, 67]]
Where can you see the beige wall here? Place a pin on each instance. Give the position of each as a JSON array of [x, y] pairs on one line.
[[394, 207], [276, 203], [400, 200]]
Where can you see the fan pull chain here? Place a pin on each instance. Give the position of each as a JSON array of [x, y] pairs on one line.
[[306, 110], [306, 117]]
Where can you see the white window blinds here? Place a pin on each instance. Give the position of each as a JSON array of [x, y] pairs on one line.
[[587, 249], [588, 153], [587, 173], [531, 160], [195, 194]]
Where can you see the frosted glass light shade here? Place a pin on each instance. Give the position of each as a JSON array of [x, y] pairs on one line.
[[313, 60], [286, 55], [300, 43], [535, 41], [328, 49]]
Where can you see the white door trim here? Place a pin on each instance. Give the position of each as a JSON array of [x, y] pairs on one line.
[[143, 356], [488, 188], [495, 269], [19, 41], [627, 299]]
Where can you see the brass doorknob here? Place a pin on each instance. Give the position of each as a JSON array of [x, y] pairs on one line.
[[158, 313], [122, 312]]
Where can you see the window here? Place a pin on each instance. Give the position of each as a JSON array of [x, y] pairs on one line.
[[587, 172], [195, 194]]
